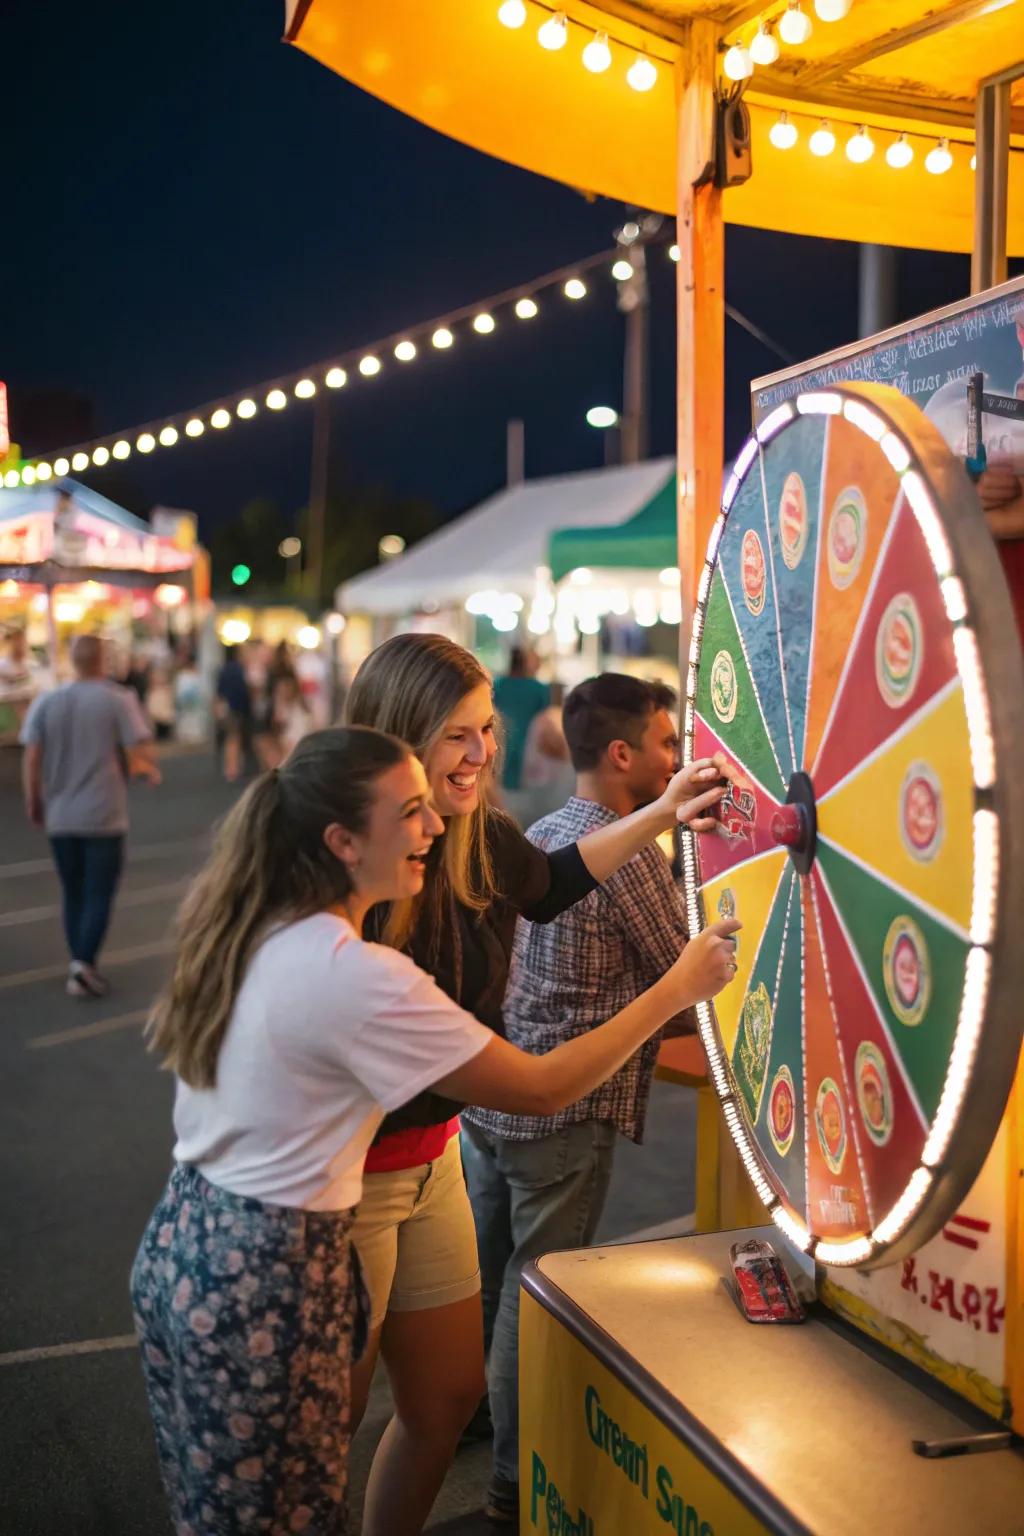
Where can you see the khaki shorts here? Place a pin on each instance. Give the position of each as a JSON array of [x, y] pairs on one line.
[[415, 1237]]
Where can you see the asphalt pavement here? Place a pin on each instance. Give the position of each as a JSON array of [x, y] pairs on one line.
[[85, 1141]]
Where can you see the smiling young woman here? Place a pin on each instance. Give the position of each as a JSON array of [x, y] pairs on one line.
[[415, 1230], [290, 1036]]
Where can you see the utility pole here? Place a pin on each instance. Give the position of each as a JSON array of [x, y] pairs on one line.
[[634, 303], [318, 497]]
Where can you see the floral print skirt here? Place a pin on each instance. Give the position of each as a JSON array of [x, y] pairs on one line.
[[249, 1317]]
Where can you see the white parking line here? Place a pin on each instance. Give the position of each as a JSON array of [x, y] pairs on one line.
[[114, 958], [135, 856], [58, 1351], [127, 896], [89, 1031]]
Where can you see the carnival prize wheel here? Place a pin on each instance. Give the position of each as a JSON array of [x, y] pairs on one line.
[[854, 654]]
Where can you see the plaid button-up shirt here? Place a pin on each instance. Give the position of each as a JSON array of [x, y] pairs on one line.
[[576, 972]]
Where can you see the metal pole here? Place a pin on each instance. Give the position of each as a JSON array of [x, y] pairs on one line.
[[876, 289], [515, 452], [992, 148], [318, 496], [635, 300]]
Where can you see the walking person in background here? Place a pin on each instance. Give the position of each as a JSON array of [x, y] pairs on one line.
[[518, 697], [79, 742], [538, 1183], [234, 714]]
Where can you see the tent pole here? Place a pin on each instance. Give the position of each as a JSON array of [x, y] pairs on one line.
[[700, 300], [992, 147]]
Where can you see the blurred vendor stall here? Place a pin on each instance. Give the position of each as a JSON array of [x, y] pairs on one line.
[[71, 558], [484, 577]]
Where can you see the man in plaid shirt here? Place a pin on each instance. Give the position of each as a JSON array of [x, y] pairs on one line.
[[539, 1183]]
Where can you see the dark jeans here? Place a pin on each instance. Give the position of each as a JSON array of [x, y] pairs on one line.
[[528, 1198], [89, 869]]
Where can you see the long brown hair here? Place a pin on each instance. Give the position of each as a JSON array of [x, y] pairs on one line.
[[269, 864], [409, 686]]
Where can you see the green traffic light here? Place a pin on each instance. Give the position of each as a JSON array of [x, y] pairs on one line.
[[240, 575]]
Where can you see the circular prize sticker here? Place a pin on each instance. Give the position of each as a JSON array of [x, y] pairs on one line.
[[906, 971], [793, 527], [899, 648], [830, 1123], [921, 823], [874, 1095], [753, 572], [782, 1111], [847, 528], [723, 687]]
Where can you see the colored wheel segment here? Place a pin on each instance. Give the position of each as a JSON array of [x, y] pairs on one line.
[[842, 664]]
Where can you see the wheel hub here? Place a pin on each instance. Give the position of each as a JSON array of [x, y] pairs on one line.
[[795, 824]]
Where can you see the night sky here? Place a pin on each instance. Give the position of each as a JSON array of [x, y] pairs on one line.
[[193, 206]]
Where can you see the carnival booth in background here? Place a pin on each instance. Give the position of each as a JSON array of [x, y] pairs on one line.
[[863, 1057], [70, 557], [484, 578]]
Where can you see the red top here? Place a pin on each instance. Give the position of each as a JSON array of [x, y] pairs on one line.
[[410, 1148], [1011, 553]]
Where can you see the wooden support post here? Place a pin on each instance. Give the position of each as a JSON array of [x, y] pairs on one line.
[[700, 299], [992, 150]]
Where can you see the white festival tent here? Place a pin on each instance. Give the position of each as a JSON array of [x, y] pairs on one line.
[[501, 543]]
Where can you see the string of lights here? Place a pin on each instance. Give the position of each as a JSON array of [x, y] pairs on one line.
[[481, 319], [793, 28], [901, 150], [597, 56]]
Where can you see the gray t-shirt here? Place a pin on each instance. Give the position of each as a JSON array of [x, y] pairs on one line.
[[83, 729]]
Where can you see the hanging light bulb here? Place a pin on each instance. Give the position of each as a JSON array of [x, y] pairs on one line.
[[782, 133], [900, 153], [45, 470], [597, 56], [795, 26], [939, 160], [622, 270], [28, 474], [196, 428], [61, 467], [764, 45], [80, 462], [642, 73], [167, 438], [246, 409], [575, 288], [276, 401], [369, 365], [974, 162], [554, 32], [305, 389], [737, 64], [483, 324], [822, 141], [146, 442], [336, 378], [220, 419], [100, 456], [860, 146], [405, 351], [673, 252], [442, 338], [832, 10], [526, 309], [512, 14]]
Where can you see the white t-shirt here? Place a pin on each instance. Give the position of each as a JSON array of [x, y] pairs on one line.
[[327, 1034]]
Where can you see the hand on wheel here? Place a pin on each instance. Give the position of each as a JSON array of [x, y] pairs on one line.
[[708, 963]]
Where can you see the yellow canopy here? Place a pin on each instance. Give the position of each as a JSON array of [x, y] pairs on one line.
[[908, 66]]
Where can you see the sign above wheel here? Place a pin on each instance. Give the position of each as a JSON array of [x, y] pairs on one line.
[[854, 654]]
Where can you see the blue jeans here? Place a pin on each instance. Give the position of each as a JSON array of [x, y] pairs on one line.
[[89, 869], [528, 1198]]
